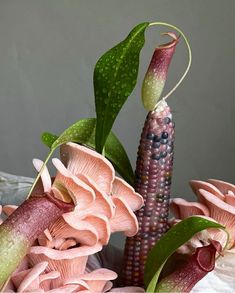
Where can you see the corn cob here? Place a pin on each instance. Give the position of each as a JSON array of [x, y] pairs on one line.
[[153, 168], [153, 182]]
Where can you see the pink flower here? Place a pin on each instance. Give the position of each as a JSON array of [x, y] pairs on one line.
[[104, 204]]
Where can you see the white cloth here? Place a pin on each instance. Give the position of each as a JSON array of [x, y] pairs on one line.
[[222, 278], [13, 189]]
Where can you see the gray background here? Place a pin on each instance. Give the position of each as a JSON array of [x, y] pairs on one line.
[[48, 50]]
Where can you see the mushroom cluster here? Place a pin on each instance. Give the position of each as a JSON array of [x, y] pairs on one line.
[[104, 204]]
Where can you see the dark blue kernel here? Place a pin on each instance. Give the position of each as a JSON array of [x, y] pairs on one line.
[[164, 141], [155, 157], [163, 215], [163, 154], [169, 150], [156, 138], [156, 145], [150, 136], [147, 213], [168, 182], [164, 135], [167, 120], [162, 161], [160, 199]]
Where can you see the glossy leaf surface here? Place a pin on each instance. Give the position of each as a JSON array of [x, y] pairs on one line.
[[115, 77]]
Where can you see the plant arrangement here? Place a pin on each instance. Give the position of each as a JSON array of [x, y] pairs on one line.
[[57, 240]]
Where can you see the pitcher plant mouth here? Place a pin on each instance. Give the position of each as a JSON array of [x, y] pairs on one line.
[[170, 44], [66, 204], [54, 188], [200, 263]]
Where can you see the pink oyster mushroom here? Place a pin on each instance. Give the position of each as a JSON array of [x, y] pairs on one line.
[[103, 204], [37, 279], [216, 200]]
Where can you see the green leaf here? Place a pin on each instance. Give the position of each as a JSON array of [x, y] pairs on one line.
[[84, 132], [169, 243], [48, 138], [115, 152], [115, 77]]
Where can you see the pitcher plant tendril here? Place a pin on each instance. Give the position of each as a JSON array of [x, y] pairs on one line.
[[154, 165]]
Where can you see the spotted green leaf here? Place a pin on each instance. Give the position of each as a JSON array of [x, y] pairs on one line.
[[48, 138], [115, 77], [169, 243], [84, 132]]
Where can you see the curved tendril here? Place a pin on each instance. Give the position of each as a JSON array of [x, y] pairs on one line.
[[189, 56]]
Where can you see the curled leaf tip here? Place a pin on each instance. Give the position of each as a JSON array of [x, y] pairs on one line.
[[156, 75]]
